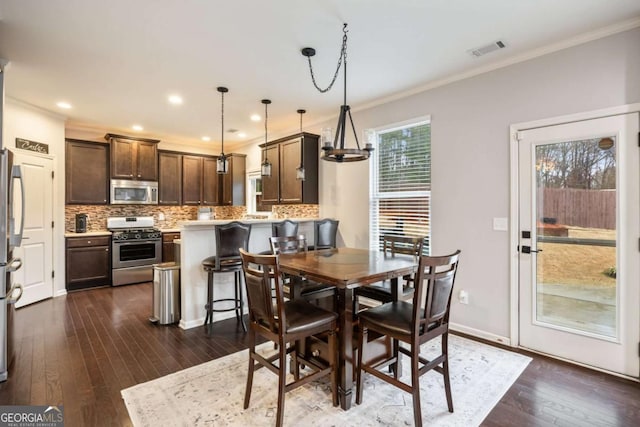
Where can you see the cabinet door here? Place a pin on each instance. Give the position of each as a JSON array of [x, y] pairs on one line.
[[271, 184], [290, 156], [191, 180], [170, 178], [210, 179], [88, 267], [147, 161], [87, 173], [168, 247], [233, 183], [123, 156]]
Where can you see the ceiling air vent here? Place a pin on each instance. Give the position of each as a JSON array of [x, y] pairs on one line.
[[483, 50]]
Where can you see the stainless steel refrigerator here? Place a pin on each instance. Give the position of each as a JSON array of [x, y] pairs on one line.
[[9, 239]]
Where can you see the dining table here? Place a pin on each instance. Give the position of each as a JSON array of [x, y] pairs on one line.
[[347, 269]]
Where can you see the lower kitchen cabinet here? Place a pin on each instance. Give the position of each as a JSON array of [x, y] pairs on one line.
[[88, 262], [168, 248]]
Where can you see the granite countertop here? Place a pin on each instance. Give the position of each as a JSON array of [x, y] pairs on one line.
[[206, 222], [87, 234]]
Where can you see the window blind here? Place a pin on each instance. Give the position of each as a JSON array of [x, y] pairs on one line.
[[400, 193]]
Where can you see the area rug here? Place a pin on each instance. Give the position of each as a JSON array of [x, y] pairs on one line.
[[212, 394]]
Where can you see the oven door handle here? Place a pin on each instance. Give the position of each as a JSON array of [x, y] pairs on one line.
[[135, 242]]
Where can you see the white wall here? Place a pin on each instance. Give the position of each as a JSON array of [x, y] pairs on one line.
[[28, 122], [470, 171]]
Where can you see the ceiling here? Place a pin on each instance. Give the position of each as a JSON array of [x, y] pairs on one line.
[[117, 61]]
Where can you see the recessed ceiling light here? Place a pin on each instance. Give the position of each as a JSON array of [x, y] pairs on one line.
[[242, 135], [175, 99], [256, 117], [64, 105], [137, 127], [206, 138]]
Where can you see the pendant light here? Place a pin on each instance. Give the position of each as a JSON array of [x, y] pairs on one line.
[[265, 168], [300, 172], [222, 164], [335, 151]]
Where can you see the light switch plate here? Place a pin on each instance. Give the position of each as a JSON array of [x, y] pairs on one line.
[[500, 224]]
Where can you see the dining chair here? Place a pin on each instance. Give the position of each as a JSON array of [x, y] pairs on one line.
[[325, 232], [285, 323], [413, 323], [229, 238], [284, 228], [295, 286], [381, 291]]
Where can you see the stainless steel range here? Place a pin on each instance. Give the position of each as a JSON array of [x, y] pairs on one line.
[[136, 245]]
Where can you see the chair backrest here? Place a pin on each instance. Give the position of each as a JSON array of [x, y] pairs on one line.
[[288, 244], [284, 228], [325, 234], [230, 237], [432, 298], [262, 277], [403, 245]]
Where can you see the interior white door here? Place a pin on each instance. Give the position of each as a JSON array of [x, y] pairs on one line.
[[36, 250], [579, 227]]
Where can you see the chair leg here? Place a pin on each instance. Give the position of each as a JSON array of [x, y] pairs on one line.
[[361, 345], [240, 310], [396, 367], [333, 350], [252, 349], [209, 305], [415, 385], [282, 381], [445, 371]]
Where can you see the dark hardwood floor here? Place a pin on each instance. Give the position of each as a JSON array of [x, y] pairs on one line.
[[81, 350]]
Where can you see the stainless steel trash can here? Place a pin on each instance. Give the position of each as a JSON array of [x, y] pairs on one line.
[[166, 293]]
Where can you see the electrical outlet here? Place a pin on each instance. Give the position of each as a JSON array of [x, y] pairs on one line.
[[463, 297], [161, 216]]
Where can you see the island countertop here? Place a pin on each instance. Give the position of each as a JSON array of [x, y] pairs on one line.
[[199, 223]]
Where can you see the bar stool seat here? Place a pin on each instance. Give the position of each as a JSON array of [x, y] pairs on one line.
[[229, 238]]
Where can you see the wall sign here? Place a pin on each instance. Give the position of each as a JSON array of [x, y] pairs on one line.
[[38, 147]]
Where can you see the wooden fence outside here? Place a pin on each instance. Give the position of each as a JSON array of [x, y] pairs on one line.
[[579, 208]]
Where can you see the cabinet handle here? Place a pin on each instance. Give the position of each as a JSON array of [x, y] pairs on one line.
[[106, 250], [89, 242]]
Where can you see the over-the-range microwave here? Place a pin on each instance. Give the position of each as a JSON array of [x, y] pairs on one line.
[[129, 192]]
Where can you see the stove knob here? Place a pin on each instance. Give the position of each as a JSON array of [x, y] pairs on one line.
[[138, 236]]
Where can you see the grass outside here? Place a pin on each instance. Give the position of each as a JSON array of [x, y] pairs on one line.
[[578, 264]]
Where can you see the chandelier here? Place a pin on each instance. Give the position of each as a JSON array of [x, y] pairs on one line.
[[335, 151]]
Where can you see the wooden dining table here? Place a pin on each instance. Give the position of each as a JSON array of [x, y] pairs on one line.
[[347, 269]]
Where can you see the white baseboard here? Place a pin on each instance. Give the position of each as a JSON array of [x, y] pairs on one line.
[[480, 334], [200, 321], [60, 293]]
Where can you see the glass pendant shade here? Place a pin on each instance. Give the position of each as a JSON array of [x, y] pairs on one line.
[[265, 168], [222, 164]]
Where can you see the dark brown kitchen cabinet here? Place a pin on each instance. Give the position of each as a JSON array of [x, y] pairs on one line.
[[87, 173], [286, 155], [170, 178], [168, 247], [88, 262], [271, 184], [133, 158], [233, 182], [199, 181]]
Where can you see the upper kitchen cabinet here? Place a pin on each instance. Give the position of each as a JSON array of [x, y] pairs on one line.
[[233, 182], [170, 178], [87, 173], [133, 158], [200, 181], [286, 155]]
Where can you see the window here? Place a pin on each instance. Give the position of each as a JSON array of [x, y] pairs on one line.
[[400, 193]]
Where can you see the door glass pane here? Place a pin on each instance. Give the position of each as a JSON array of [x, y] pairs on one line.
[[576, 235]]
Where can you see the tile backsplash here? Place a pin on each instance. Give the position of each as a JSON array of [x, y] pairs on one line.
[[98, 214]]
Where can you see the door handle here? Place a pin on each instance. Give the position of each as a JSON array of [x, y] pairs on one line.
[[528, 250]]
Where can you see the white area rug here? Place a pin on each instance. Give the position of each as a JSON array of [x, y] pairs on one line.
[[212, 394]]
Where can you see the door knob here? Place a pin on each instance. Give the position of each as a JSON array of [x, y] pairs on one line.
[[528, 250]]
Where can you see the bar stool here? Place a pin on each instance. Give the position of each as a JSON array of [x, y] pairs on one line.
[[284, 228], [229, 238]]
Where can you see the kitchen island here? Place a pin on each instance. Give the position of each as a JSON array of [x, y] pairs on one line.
[[198, 243]]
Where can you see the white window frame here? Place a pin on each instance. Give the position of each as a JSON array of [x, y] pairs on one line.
[[375, 196]]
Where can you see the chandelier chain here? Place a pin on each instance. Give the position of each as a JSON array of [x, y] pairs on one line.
[[222, 130], [343, 57]]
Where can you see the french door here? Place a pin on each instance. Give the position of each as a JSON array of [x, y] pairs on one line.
[[579, 231]]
